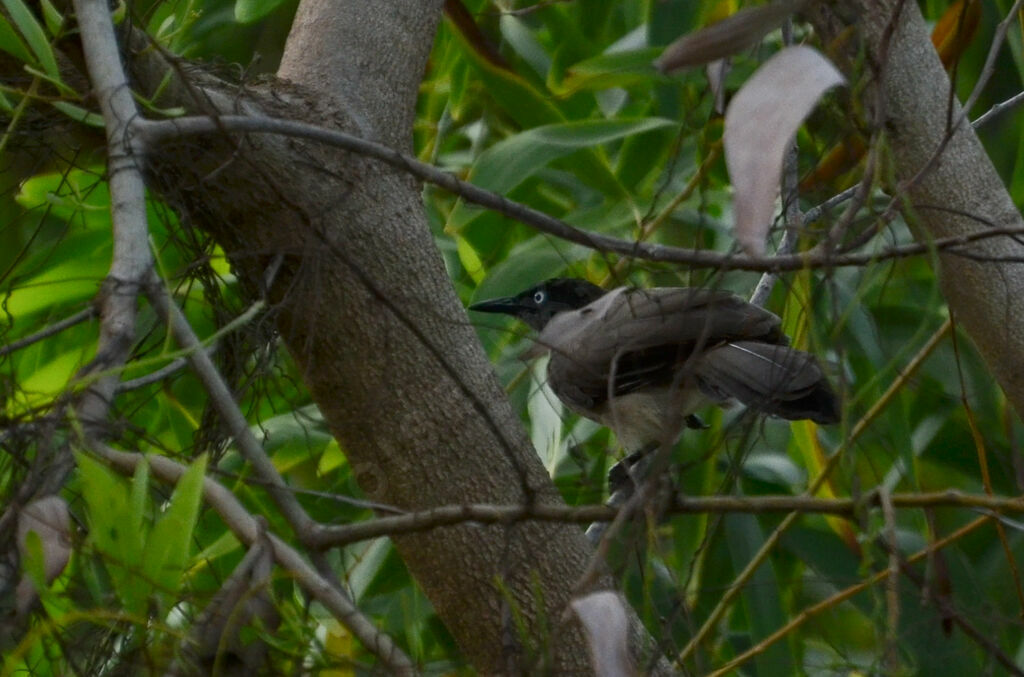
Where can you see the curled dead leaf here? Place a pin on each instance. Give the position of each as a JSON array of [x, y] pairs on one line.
[[49, 519], [726, 37], [761, 120], [606, 626]]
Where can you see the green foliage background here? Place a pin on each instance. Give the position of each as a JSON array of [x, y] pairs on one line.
[[572, 120]]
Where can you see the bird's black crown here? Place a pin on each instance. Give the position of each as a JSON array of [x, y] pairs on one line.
[[538, 304]]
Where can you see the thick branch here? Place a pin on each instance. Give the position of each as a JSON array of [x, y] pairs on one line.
[[132, 259], [942, 164]]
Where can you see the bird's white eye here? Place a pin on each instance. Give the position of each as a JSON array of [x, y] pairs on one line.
[[538, 297]]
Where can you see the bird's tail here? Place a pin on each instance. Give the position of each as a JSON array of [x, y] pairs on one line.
[[774, 379]]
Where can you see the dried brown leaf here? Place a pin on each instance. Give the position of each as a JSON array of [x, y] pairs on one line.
[[759, 124], [48, 517], [727, 37], [606, 626]]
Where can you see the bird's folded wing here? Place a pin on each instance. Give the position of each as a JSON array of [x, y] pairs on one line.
[[629, 339], [773, 379]]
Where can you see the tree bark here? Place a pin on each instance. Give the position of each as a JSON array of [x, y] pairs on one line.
[[366, 308], [957, 193]]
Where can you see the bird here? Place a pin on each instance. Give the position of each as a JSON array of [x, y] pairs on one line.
[[643, 361]]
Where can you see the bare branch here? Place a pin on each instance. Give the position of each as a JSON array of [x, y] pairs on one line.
[[156, 131], [172, 367], [841, 596], [998, 108], [224, 402], [449, 515], [132, 259], [53, 329]]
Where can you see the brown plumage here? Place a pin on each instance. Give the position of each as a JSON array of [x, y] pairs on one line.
[[641, 360]]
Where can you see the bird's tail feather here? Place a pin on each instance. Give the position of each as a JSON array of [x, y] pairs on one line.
[[774, 379]]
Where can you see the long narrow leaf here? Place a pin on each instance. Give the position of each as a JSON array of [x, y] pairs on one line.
[[34, 35]]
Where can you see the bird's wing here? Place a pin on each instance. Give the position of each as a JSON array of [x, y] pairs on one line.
[[634, 338], [773, 379]]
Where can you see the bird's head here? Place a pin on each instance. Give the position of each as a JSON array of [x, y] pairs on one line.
[[538, 304]]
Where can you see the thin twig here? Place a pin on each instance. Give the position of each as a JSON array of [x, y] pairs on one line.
[[998, 108], [986, 479], [248, 530], [998, 38], [172, 367], [225, 404], [156, 131], [748, 571], [55, 328], [838, 598]]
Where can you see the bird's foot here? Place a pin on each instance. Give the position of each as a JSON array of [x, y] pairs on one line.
[[695, 422]]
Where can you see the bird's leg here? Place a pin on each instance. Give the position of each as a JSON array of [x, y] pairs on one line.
[[624, 478], [695, 422], [630, 471]]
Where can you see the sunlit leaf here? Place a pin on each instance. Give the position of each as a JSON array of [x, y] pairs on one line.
[[34, 35], [617, 69], [471, 262], [168, 545], [505, 165], [52, 17], [955, 30], [250, 11]]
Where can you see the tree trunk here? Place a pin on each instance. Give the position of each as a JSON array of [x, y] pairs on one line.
[[366, 308], [957, 193]]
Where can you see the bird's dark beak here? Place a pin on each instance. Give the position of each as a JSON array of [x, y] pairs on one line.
[[507, 305]]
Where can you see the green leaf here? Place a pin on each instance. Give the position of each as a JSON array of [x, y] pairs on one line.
[[47, 381], [34, 35], [508, 163], [79, 114], [71, 282], [524, 41], [79, 194], [169, 542], [33, 561], [331, 459], [52, 17], [250, 11], [528, 263], [112, 531], [761, 596], [470, 260], [12, 43], [619, 69]]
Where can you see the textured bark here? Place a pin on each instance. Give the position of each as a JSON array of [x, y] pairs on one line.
[[958, 194], [365, 306]]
